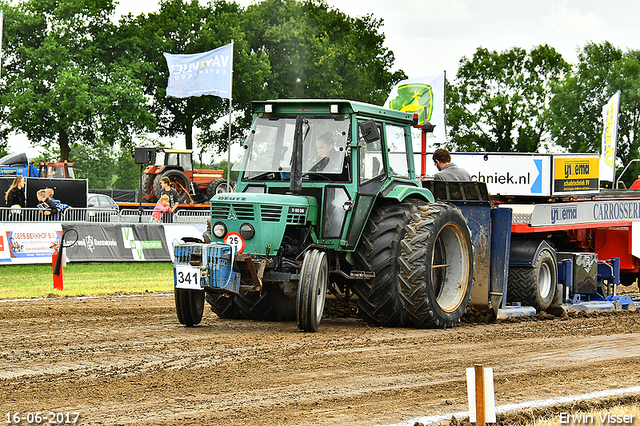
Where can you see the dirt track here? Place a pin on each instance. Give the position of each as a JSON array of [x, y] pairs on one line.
[[126, 360]]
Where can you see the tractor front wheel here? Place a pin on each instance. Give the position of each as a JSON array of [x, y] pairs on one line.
[[189, 306], [312, 290], [218, 186]]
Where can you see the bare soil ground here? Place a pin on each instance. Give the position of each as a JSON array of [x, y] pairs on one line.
[[127, 360]]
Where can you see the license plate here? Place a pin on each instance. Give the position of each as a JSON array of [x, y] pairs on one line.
[[188, 277]]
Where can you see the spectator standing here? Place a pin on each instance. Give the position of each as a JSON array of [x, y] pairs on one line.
[[170, 192], [447, 171], [15, 193]]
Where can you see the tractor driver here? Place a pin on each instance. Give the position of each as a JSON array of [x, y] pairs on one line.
[[330, 159]]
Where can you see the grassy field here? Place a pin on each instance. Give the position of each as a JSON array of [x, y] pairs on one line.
[[84, 279]]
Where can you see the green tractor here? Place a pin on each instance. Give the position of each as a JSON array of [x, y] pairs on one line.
[[328, 201]]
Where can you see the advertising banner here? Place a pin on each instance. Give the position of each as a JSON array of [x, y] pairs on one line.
[[609, 138], [425, 96], [586, 212], [28, 242], [128, 243], [198, 74], [505, 174], [575, 175]]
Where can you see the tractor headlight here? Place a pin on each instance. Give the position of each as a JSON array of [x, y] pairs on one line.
[[246, 231], [219, 230]]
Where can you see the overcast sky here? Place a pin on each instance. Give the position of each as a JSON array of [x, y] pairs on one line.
[[429, 36]]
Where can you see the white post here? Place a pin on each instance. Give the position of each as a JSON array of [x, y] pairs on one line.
[[481, 394], [229, 138]]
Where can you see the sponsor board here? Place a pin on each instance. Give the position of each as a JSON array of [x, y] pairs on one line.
[[108, 243], [543, 175], [575, 175], [28, 243], [586, 212], [504, 174]]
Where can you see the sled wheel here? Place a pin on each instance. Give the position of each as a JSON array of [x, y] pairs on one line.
[[312, 290], [189, 306], [534, 286]]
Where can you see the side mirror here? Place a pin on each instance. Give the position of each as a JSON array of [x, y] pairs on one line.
[[369, 131], [427, 127]]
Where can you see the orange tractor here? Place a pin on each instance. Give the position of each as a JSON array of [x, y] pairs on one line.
[[193, 185]]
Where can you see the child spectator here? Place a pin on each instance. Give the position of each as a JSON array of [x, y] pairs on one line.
[[48, 207], [161, 208], [60, 206]]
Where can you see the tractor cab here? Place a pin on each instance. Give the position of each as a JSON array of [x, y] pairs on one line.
[[174, 157], [57, 170], [315, 152]]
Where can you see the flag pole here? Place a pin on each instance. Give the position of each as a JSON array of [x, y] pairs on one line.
[[229, 138], [1, 21]]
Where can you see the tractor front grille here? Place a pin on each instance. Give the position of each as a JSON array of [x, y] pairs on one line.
[[270, 213], [222, 211], [296, 219]]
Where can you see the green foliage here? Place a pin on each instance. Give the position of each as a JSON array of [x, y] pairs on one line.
[[576, 108], [65, 86], [223, 166], [319, 52], [499, 99]]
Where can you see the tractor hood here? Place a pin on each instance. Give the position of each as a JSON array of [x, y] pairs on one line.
[[268, 214]]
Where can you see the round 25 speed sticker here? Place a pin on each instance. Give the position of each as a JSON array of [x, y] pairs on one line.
[[236, 240]]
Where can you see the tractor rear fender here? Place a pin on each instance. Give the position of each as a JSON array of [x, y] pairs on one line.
[[401, 192]]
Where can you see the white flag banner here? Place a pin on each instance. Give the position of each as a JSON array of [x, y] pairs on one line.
[[609, 138], [208, 73], [425, 96]]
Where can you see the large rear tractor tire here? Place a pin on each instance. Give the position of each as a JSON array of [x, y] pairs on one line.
[[179, 181], [312, 290], [222, 305], [268, 305], [148, 196], [436, 266], [189, 306], [534, 285], [422, 258]]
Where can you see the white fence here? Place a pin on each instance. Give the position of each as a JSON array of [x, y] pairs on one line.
[[73, 214]]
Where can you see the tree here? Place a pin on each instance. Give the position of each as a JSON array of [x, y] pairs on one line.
[[318, 52], [576, 108], [182, 28], [65, 84], [499, 99]]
